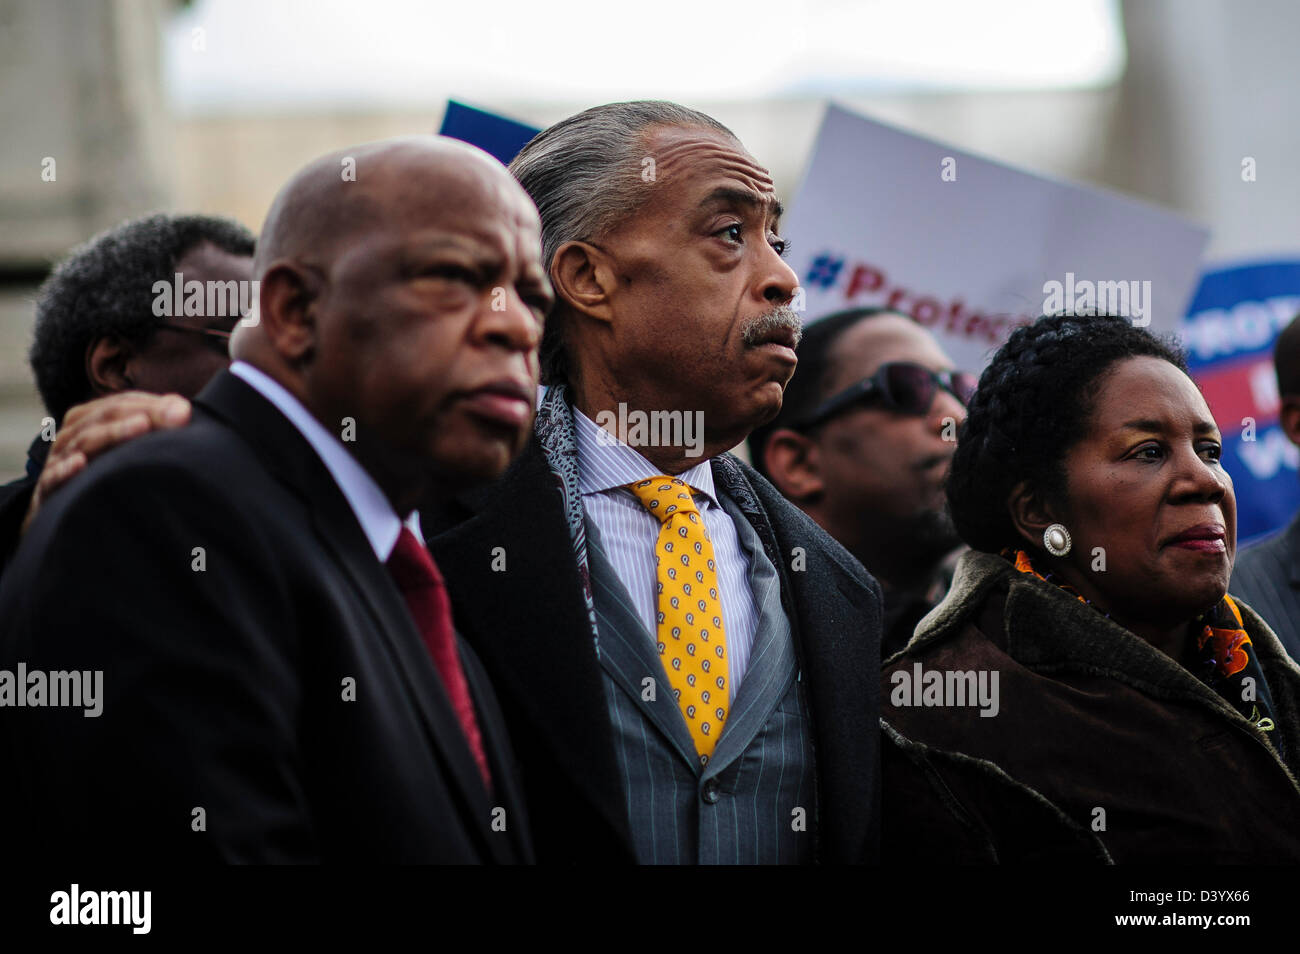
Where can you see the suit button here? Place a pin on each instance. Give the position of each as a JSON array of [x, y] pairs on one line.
[[710, 793]]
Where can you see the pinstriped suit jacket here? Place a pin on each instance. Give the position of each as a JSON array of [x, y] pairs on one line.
[[754, 803], [528, 623]]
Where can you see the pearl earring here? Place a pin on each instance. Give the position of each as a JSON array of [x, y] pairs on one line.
[[1057, 540]]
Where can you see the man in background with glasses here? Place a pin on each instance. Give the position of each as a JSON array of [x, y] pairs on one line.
[[99, 335], [862, 445]]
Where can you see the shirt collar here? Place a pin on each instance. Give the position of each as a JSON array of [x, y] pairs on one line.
[[606, 463], [373, 511]]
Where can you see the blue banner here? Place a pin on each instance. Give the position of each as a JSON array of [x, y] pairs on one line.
[[1231, 324], [493, 134]]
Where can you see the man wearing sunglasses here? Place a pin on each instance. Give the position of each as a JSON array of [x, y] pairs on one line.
[[862, 444], [101, 352]]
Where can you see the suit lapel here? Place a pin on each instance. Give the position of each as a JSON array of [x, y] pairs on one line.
[[822, 594], [1293, 552], [501, 762], [287, 454], [834, 609], [350, 548], [629, 654], [530, 626], [772, 660]]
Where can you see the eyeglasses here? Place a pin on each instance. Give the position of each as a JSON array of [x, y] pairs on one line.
[[214, 338], [901, 386]]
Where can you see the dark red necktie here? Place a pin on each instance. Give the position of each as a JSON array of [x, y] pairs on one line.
[[417, 576]]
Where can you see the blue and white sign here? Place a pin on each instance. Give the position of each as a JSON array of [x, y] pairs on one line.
[[971, 248], [1234, 318]]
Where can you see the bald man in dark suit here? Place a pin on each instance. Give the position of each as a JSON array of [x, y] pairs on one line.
[[281, 676]]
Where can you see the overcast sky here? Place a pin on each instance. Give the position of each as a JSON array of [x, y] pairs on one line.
[[241, 54]]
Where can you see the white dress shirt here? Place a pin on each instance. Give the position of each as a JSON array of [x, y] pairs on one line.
[[375, 514], [628, 533]]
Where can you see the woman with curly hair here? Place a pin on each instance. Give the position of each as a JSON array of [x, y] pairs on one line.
[[1088, 658]]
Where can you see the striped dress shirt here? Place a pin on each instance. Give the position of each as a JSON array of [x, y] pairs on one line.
[[629, 532]]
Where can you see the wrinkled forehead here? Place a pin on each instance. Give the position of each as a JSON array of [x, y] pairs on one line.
[[427, 189], [697, 159], [468, 201]]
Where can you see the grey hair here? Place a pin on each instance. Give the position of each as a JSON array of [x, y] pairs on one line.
[[578, 173]]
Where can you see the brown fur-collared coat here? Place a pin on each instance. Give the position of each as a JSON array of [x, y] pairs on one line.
[[1102, 747]]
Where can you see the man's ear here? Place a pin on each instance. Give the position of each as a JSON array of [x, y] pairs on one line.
[[286, 309], [583, 276], [1290, 418], [106, 365], [1030, 513], [793, 463]]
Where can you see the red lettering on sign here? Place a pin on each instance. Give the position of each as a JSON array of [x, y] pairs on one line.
[[929, 310], [864, 279]]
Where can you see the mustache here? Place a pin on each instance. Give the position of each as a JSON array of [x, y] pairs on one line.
[[758, 329]]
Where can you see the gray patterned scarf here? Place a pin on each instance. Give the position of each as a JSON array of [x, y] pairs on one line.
[[555, 432]]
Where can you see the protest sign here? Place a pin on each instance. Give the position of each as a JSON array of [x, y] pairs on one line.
[[970, 247], [493, 134], [1229, 331]]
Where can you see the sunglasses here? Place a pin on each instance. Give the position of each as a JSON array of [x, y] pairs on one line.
[[899, 386], [214, 338]]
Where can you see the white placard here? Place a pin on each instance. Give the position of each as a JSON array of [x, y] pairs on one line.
[[970, 247]]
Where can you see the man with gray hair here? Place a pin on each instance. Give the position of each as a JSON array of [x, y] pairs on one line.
[[703, 686]]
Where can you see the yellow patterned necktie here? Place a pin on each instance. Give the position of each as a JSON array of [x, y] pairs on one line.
[[692, 639]]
